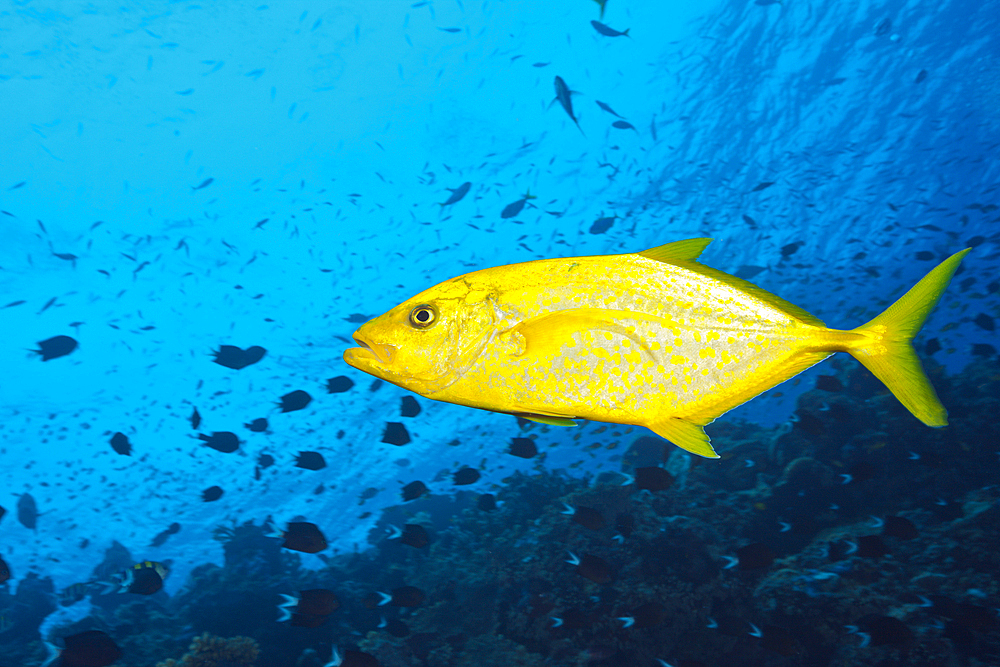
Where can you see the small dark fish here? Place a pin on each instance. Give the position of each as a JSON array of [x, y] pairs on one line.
[[601, 225], [293, 401], [609, 109], [780, 641], [15, 303], [452, 30], [204, 184], [900, 527], [211, 494], [395, 434], [162, 537], [258, 425], [396, 628], [17, 186], [829, 383], [653, 478], [608, 31], [143, 578], [511, 210], [984, 321], [588, 517], [541, 64], [933, 345], [55, 347], [339, 384], [883, 630], [4, 571], [563, 96], [120, 443], [265, 461], [648, 615], [409, 407], [871, 546], [456, 194], [625, 524], [791, 248], [356, 318], [413, 535], [92, 648], [413, 490], [603, 4], [524, 448], [883, 27], [921, 76], [465, 476], [487, 502], [195, 419], [27, 511], [924, 255], [313, 602], [221, 441], [236, 358], [764, 185], [305, 620], [404, 596], [356, 659], [748, 271], [756, 556], [310, 461], [593, 567], [624, 125], [983, 350], [303, 536]]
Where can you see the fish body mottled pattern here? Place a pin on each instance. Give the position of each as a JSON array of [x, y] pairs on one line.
[[625, 339]]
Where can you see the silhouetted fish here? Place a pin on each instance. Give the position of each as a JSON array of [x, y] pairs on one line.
[[120, 443], [395, 434], [310, 461], [413, 490], [55, 347]]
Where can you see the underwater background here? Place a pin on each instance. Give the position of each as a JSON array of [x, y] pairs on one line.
[[179, 177]]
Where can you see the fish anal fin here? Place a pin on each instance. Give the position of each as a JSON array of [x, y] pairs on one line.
[[551, 420], [679, 251], [686, 435]]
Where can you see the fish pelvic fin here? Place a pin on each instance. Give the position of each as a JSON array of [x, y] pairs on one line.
[[885, 344], [686, 435]]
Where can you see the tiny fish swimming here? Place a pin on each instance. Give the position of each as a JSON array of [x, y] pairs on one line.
[[651, 339]]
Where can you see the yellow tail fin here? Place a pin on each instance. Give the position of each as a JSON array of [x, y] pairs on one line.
[[885, 345]]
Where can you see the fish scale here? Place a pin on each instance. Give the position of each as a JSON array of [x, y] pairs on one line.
[[651, 339]]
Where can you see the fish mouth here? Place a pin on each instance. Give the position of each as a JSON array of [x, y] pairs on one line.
[[371, 352]]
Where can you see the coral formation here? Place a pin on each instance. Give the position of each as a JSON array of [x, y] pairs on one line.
[[211, 651]]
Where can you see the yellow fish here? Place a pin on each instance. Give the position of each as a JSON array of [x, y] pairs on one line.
[[652, 339]]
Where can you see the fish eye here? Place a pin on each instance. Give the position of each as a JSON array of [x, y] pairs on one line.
[[423, 316]]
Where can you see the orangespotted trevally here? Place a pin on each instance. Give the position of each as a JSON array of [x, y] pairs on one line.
[[652, 339]]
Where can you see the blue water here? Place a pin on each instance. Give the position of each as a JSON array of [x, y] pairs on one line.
[[145, 144]]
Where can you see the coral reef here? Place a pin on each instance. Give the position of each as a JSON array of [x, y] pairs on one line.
[[211, 651]]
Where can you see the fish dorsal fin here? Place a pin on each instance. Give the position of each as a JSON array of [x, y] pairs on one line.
[[679, 251]]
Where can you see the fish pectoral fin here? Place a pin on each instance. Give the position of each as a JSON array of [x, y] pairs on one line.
[[686, 435], [546, 334], [551, 420]]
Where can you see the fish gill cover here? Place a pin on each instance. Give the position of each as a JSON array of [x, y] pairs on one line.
[[200, 203]]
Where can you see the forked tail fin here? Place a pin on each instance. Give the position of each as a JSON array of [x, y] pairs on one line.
[[885, 344]]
